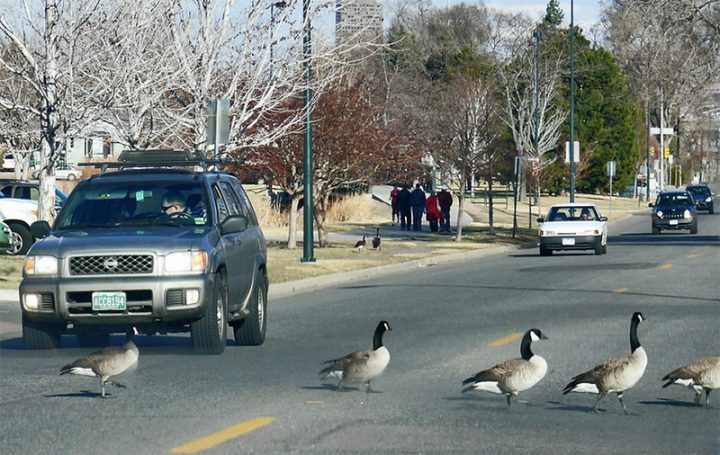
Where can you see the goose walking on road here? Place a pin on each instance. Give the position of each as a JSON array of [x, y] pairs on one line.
[[360, 244], [617, 374], [360, 366], [105, 364], [512, 376], [702, 374]]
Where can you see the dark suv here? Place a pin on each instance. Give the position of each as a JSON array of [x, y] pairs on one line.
[[115, 258], [703, 197], [674, 210]]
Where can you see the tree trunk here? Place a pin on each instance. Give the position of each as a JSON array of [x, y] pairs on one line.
[[292, 227], [321, 208]]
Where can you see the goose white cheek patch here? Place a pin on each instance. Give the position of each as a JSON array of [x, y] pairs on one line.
[[534, 337]]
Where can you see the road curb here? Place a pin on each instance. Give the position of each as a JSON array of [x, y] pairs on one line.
[[288, 288]]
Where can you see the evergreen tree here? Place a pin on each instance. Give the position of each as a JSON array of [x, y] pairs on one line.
[[553, 15]]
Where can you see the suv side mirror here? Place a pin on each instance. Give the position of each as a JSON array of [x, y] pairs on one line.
[[40, 229], [233, 224], [651, 205]]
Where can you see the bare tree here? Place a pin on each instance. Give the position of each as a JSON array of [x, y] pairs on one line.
[[56, 40], [466, 120]]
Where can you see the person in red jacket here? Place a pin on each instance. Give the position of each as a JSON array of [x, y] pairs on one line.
[[432, 209], [394, 205], [445, 200]]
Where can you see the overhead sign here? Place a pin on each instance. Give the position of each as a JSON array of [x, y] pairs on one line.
[[663, 131]]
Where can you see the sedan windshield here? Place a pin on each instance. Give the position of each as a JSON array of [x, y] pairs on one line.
[[572, 213], [105, 204]]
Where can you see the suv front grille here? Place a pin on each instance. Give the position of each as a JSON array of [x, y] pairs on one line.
[[674, 213], [111, 264]]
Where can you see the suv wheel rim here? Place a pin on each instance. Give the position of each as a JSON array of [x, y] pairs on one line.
[[16, 243], [260, 307], [219, 316]]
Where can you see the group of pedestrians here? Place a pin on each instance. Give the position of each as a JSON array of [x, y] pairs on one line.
[[408, 208]]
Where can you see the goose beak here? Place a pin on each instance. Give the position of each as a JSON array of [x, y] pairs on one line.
[[544, 337]]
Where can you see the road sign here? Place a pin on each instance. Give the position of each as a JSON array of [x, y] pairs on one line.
[[664, 131], [218, 122], [576, 156], [611, 168]]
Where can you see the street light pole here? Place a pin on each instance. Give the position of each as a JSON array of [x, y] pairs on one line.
[[308, 239], [536, 138], [572, 102]]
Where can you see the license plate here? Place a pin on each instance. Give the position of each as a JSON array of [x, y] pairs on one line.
[[673, 222], [568, 241], [109, 301]]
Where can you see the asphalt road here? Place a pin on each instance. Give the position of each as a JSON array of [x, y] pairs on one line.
[[449, 321]]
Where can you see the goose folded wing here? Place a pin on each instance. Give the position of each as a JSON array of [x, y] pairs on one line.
[[496, 373], [343, 362]]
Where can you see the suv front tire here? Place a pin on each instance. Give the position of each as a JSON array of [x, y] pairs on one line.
[[209, 333]]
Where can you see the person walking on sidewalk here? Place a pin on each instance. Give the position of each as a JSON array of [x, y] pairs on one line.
[[417, 202], [433, 211], [394, 205], [445, 200], [403, 204]]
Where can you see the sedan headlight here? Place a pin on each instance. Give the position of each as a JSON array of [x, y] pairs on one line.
[[687, 214], [186, 261], [659, 214], [40, 266]]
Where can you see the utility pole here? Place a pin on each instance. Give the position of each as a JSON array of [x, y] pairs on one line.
[[572, 102], [308, 239], [536, 136]]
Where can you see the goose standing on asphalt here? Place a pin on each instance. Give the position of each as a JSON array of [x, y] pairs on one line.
[[106, 363], [512, 376], [360, 244], [376, 241], [617, 374], [702, 374], [360, 366]]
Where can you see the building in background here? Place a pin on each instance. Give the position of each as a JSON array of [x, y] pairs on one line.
[[358, 21]]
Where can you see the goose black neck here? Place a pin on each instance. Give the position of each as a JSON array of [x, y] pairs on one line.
[[377, 338], [634, 342], [525, 350]]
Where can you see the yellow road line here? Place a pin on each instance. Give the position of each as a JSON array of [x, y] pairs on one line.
[[621, 290], [691, 255], [666, 267], [314, 402], [506, 339], [214, 439]]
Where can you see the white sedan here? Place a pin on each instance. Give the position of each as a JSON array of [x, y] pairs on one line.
[[573, 226], [63, 172]]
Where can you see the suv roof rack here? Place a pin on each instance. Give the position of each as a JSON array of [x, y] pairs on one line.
[[157, 158]]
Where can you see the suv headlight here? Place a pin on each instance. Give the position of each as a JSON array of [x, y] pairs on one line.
[[659, 214], [708, 199], [186, 261], [687, 214], [40, 266]]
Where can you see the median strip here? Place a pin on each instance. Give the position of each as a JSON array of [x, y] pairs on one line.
[[506, 339], [214, 439]]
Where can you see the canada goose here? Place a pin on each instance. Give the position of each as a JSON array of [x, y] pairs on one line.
[[105, 363], [376, 241], [617, 374], [360, 366], [360, 244], [702, 374], [512, 376]]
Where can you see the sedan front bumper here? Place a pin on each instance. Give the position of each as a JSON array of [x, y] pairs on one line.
[[578, 242]]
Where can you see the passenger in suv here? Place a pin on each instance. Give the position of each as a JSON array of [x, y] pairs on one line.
[[114, 259]]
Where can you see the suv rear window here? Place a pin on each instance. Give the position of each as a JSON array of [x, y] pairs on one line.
[[105, 204]]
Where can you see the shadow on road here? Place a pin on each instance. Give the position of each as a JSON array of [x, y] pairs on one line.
[[671, 402]]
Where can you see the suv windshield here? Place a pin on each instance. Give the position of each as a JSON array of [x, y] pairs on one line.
[[141, 203], [700, 190], [676, 199]]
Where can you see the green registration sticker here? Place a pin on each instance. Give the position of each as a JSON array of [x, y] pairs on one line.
[[109, 301]]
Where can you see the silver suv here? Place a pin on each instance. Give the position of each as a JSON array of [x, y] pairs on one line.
[[117, 256]]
